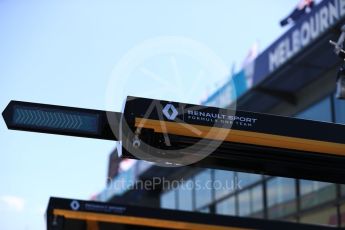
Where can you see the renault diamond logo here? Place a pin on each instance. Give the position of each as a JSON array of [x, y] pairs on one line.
[[170, 112], [75, 205]]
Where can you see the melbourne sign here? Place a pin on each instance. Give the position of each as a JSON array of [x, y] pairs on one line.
[[324, 16]]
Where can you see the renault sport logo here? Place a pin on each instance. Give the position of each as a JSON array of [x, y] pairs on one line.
[[170, 112]]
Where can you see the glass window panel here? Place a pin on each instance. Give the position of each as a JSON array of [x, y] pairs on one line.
[[308, 186], [324, 216], [246, 179], [250, 202], [203, 188], [291, 219], [223, 183], [256, 199], [244, 203], [204, 210], [342, 214], [226, 207], [342, 189], [185, 196], [315, 192], [168, 200], [320, 111], [281, 194], [339, 107]]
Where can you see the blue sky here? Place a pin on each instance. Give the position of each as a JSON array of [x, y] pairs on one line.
[[65, 52]]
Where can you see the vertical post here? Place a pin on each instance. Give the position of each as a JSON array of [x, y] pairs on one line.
[[298, 200], [264, 197]]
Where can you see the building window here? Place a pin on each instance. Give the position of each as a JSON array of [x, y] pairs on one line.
[[342, 214], [324, 216], [168, 200], [281, 194], [223, 183], [185, 196], [226, 207], [315, 193], [246, 179], [342, 190], [204, 210], [321, 111], [244, 203], [339, 107], [256, 195], [203, 188], [250, 202]]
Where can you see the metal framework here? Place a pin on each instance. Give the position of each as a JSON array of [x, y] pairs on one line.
[[65, 214], [253, 142], [246, 141]]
